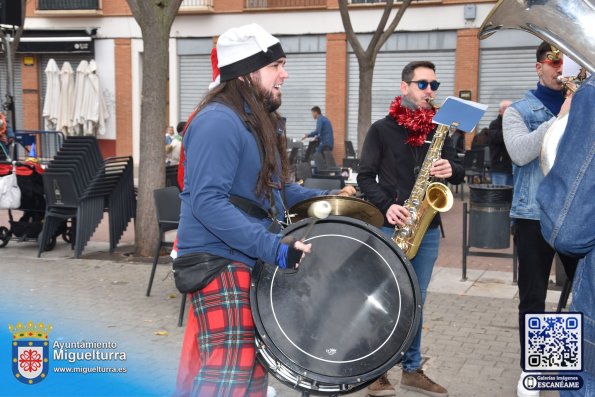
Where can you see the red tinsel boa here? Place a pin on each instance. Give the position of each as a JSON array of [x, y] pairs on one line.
[[418, 122]]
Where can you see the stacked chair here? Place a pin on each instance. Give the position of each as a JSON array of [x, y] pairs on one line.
[[350, 160], [171, 175], [80, 185]]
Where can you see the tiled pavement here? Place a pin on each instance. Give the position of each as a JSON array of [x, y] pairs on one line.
[[470, 340]]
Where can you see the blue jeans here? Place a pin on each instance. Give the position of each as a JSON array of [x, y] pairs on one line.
[[588, 388], [423, 264], [501, 178]]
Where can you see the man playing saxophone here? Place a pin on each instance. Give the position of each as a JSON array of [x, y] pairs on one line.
[[391, 160]]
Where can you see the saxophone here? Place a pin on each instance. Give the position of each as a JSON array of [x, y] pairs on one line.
[[426, 199]]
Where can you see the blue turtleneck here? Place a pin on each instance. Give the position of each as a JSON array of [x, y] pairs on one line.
[[552, 99]]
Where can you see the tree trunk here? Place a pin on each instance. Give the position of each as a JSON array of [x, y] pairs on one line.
[[152, 136], [366, 74]]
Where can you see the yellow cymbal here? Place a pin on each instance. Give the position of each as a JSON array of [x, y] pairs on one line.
[[343, 206]]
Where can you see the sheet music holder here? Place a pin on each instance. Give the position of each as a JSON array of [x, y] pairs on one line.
[[456, 110]]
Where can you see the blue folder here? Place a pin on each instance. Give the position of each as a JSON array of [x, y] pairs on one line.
[[456, 110]]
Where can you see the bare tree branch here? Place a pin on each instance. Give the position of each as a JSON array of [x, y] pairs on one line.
[[367, 59], [381, 25], [393, 25], [351, 36]]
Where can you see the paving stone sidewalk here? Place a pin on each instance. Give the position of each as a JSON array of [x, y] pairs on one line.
[[470, 342]]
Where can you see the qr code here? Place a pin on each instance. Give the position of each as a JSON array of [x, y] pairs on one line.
[[553, 342]]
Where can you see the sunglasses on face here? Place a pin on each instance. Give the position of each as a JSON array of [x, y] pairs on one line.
[[553, 62], [423, 84]]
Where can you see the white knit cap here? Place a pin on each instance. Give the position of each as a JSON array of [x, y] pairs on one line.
[[246, 49]]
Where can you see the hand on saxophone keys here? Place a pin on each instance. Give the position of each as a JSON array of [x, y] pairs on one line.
[[441, 169], [397, 215]]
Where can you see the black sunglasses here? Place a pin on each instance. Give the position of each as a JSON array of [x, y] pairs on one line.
[[423, 84]]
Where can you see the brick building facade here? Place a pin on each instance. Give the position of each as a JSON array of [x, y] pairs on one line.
[[311, 30]]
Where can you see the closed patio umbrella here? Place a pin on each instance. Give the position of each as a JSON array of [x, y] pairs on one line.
[[66, 103], [52, 96], [94, 109], [79, 91]]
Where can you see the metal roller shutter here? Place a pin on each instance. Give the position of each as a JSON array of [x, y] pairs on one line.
[[505, 73], [18, 88], [387, 80], [195, 76], [305, 88]]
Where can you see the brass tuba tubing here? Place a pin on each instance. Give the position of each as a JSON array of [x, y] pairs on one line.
[[567, 25]]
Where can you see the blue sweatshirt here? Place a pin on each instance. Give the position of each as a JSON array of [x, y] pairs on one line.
[[324, 132], [222, 159]]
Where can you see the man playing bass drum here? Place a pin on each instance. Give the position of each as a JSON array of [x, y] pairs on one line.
[[393, 152]]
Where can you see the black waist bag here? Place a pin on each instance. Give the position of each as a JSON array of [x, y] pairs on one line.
[[193, 272]]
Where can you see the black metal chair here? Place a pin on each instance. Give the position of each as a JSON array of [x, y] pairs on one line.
[[303, 171], [310, 150], [167, 205], [322, 166], [324, 183], [171, 175], [349, 150], [474, 167], [81, 186]]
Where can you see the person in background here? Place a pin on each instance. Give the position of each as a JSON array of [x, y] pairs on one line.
[[169, 135], [524, 125], [323, 132], [6, 137], [500, 163], [393, 153], [173, 147]]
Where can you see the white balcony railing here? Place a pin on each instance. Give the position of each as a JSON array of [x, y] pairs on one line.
[[196, 5]]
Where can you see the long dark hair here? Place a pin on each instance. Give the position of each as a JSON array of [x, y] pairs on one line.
[[242, 94]]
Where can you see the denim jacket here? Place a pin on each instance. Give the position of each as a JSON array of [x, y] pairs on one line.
[[528, 177], [567, 199]]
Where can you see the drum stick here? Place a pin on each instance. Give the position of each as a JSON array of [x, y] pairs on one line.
[[318, 210]]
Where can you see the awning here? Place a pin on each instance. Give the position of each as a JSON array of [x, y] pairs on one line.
[[57, 41]]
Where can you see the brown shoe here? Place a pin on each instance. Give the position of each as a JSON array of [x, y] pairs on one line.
[[381, 387], [419, 382]]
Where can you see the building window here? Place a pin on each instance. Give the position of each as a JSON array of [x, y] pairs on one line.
[[50, 5]]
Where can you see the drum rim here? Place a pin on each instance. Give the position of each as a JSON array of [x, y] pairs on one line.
[[285, 361]]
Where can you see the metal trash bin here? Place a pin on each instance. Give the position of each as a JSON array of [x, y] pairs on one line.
[[489, 216]]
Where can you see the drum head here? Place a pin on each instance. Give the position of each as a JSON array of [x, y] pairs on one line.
[[349, 312]]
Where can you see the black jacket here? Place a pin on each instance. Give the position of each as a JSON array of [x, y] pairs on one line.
[[386, 155], [500, 160]]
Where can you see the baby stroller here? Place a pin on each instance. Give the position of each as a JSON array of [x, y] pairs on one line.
[[29, 225]]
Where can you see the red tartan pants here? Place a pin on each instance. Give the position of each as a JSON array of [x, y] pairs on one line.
[[226, 338]]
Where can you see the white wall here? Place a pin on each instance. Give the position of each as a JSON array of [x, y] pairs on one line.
[[104, 58]]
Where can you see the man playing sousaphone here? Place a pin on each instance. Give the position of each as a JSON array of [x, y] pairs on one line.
[[524, 126]]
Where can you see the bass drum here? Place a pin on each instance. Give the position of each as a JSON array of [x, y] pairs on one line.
[[345, 317]]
